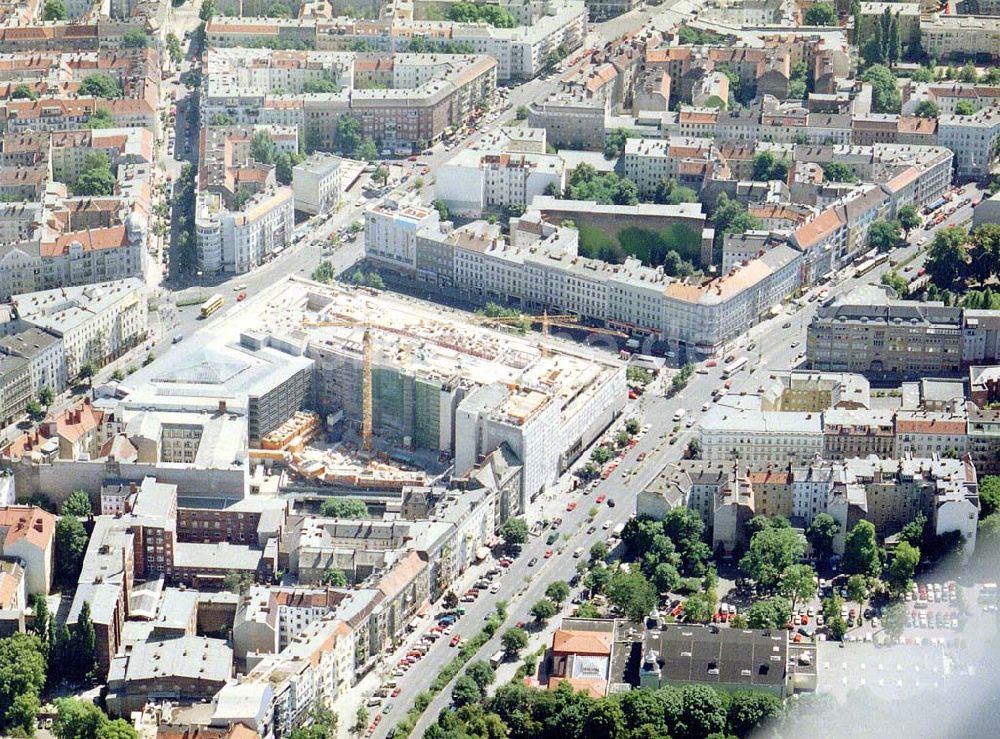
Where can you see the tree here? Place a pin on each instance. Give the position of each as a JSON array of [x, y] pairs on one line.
[[767, 167], [698, 608], [236, 582], [839, 172], [344, 508], [928, 109], [374, 281], [820, 14], [884, 235], [836, 627], [326, 273], [772, 613], [771, 552], [442, 208], [119, 728], [83, 642], [597, 579], [749, 710], [632, 593], [465, 691], [514, 531], [450, 600], [985, 254], [361, 718], [947, 257], [885, 95], [820, 535], [798, 582], [543, 610], [71, 545], [614, 146], [989, 495], [34, 410], [347, 135], [366, 150], [23, 92], [22, 673], [100, 85], [731, 216], [557, 591], [482, 674], [100, 118], [222, 119], [861, 553], [263, 148], [965, 107], [54, 10], [857, 588], [46, 396], [697, 711], [77, 719], [334, 578], [135, 38], [905, 559], [77, 504], [552, 190], [207, 10], [908, 218], [513, 641], [174, 48], [894, 619]]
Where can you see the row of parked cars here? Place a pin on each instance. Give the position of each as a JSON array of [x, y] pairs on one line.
[[933, 592]]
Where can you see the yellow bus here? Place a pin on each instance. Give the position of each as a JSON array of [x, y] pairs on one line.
[[211, 305]]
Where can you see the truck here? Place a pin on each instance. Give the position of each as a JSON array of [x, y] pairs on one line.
[[497, 659]]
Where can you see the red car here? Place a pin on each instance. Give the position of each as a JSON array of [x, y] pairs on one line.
[[571, 505], [600, 498], [241, 297], [455, 640], [711, 363], [396, 692], [548, 553]]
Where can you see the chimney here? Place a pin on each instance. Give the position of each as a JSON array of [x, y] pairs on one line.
[[222, 406]]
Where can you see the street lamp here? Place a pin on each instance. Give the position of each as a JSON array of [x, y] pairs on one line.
[[201, 293]]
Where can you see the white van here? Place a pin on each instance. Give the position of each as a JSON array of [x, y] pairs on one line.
[[679, 414], [578, 552]]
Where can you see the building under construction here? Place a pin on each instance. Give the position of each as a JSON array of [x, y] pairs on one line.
[[442, 381]]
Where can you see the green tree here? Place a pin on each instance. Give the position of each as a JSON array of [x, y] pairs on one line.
[[614, 145], [465, 691], [884, 235], [374, 281], [119, 728], [54, 10], [96, 178], [46, 396], [442, 208], [263, 148], [514, 531], [100, 85], [325, 272], [839, 172], [821, 533], [77, 719], [77, 504], [70, 546], [989, 495], [820, 14], [366, 150], [83, 644], [894, 619], [730, 216], [222, 119], [522, 112], [861, 552], [206, 11], [23, 92], [772, 613], [34, 410], [344, 508], [905, 559], [928, 109], [985, 252], [334, 578], [100, 118], [557, 591], [698, 608], [347, 135], [632, 593], [857, 588], [908, 218], [947, 257], [965, 107], [798, 582], [771, 552], [750, 710], [135, 38], [543, 610], [361, 718], [482, 674], [767, 167], [885, 95], [513, 641], [22, 673], [236, 582], [174, 48]]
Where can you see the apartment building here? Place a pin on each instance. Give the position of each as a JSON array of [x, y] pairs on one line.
[[96, 323], [945, 36], [540, 269], [236, 241], [870, 333], [974, 139], [391, 229], [316, 183], [475, 181], [45, 355]]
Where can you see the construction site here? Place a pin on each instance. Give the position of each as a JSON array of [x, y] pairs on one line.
[[396, 378]]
